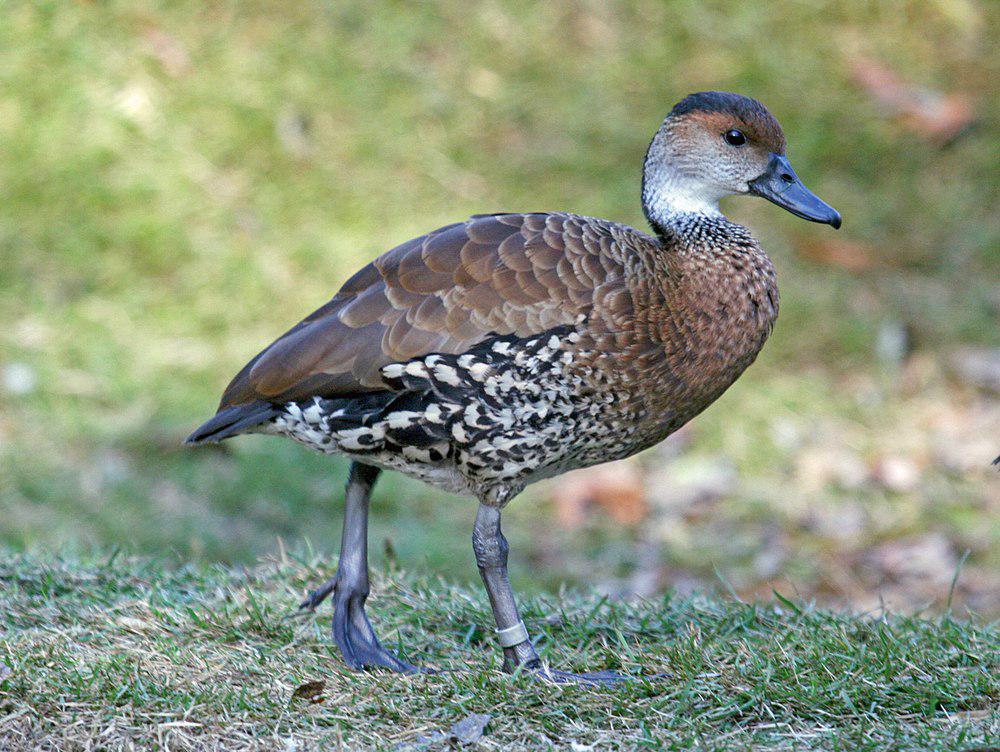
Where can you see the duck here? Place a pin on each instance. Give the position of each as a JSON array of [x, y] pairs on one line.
[[510, 347]]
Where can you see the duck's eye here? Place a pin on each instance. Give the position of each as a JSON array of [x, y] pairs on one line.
[[734, 137]]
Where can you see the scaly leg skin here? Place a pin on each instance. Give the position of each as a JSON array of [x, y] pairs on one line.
[[352, 631], [518, 653]]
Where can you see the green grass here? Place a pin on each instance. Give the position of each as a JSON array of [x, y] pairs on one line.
[[116, 651], [179, 182]]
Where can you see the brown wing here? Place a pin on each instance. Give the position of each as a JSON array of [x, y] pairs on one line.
[[442, 292]]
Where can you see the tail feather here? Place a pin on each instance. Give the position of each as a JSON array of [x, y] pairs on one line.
[[231, 421]]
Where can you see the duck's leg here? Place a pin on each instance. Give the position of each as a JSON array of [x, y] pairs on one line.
[[491, 556], [351, 629]]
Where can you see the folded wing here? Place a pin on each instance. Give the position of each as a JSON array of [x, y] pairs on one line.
[[442, 292]]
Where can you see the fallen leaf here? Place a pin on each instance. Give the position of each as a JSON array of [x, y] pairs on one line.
[[312, 691], [470, 729], [936, 116], [133, 624], [615, 487], [837, 251]]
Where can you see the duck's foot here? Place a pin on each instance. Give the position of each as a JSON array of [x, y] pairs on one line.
[[551, 675], [355, 636], [352, 631], [320, 594]]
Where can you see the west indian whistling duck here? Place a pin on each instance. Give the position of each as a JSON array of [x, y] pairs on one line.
[[508, 348]]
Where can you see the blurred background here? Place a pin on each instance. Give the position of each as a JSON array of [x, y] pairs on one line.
[[180, 182]]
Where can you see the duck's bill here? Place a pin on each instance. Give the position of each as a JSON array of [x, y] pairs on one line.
[[780, 185]]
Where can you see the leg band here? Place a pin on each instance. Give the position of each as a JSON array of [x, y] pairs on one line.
[[512, 636]]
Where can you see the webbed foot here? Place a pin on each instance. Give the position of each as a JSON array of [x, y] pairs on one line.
[[353, 632], [551, 675]]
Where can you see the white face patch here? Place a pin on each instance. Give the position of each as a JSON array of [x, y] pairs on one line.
[[667, 192], [679, 181]]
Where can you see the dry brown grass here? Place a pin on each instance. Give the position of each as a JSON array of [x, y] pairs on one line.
[[130, 654]]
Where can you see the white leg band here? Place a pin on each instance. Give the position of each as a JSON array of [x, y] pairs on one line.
[[512, 636]]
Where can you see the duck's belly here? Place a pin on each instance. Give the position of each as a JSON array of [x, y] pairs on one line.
[[442, 474], [539, 408], [498, 463], [482, 431]]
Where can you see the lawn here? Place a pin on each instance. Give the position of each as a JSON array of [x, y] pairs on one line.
[[112, 652], [181, 182]]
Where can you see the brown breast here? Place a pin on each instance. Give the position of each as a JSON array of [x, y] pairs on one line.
[[692, 316]]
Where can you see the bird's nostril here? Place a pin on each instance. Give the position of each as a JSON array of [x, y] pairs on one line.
[[787, 178]]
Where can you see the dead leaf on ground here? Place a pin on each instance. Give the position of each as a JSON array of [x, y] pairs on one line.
[[311, 691], [932, 114], [469, 730], [837, 251], [615, 487], [132, 624]]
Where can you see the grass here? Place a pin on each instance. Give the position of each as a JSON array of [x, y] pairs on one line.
[[179, 182], [117, 651]]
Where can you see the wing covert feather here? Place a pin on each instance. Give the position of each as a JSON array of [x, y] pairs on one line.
[[442, 292]]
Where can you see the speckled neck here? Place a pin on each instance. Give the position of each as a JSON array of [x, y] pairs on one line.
[[697, 232]]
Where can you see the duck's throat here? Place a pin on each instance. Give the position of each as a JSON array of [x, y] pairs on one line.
[[678, 214], [670, 196]]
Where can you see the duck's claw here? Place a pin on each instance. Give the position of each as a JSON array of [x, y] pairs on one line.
[[355, 636], [320, 594], [599, 678]]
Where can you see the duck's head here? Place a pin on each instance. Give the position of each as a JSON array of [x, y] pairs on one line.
[[714, 144]]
